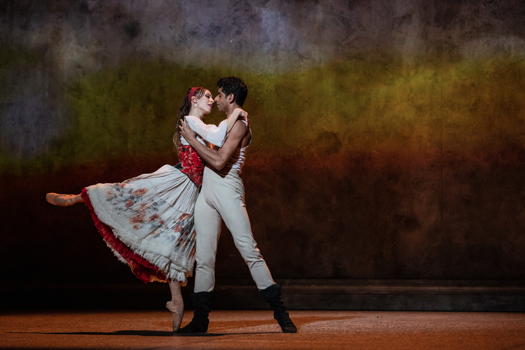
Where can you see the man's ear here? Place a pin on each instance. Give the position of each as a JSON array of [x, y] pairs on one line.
[[230, 98]]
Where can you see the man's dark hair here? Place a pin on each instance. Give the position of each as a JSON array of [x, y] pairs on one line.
[[235, 86]]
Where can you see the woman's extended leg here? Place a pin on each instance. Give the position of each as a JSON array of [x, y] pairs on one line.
[[176, 304], [63, 200]]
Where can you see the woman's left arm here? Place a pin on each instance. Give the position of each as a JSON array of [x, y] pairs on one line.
[[209, 132]]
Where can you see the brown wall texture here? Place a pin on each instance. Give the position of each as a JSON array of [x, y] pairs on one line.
[[389, 135]]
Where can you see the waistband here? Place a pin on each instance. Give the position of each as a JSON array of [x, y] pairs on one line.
[[233, 174]]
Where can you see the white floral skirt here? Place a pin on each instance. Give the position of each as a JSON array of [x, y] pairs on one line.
[[147, 222]]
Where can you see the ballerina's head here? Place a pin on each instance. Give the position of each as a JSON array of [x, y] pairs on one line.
[[197, 102]]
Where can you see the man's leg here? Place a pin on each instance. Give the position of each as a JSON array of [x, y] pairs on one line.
[[207, 227], [235, 216]]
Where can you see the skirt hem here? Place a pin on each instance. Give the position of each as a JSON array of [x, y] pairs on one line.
[[139, 262]]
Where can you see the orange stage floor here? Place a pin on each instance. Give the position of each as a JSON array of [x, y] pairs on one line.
[[257, 330]]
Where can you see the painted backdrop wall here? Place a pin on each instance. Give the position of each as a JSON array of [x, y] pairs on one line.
[[389, 136]]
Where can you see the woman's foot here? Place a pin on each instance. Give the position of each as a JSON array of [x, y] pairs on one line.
[[177, 311], [63, 200]]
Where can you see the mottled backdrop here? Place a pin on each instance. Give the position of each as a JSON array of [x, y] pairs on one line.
[[389, 134]]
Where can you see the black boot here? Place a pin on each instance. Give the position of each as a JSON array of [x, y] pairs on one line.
[[272, 295], [202, 307]]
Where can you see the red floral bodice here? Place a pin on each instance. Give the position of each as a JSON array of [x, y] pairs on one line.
[[191, 164]]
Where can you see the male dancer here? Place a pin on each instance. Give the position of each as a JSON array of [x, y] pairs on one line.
[[222, 196]]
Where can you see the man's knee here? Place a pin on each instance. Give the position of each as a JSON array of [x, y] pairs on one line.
[[205, 260], [249, 251]]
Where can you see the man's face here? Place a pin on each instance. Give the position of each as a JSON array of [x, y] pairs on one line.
[[221, 101]]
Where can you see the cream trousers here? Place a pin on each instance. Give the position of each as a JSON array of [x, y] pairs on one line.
[[223, 197]]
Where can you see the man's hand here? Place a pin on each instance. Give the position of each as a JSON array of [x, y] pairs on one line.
[[216, 159], [186, 131]]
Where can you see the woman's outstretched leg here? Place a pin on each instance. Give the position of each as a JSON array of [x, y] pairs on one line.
[[63, 200], [176, 304]]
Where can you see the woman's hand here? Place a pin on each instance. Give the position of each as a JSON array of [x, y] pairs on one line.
[[238, 113], [185, 130]]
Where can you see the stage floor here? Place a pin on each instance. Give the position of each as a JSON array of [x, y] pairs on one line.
[[257, 330]]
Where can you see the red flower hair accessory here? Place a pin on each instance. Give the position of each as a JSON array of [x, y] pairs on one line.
[[193, 91]]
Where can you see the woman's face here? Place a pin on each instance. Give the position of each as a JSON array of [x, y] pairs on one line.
[[205, 102]]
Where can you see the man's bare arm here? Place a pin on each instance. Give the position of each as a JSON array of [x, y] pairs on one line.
[[216, 159]]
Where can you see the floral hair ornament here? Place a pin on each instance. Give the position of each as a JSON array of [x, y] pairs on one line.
[[193, 91]]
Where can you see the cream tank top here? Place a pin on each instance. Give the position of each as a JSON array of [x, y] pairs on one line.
[[238, 158]]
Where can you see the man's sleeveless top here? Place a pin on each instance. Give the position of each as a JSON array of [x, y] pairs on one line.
[[238, 158]]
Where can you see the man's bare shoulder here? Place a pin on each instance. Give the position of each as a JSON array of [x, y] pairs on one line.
[[239, 129]]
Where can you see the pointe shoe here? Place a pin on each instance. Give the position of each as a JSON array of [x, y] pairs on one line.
[[177, 311], [62, 200]]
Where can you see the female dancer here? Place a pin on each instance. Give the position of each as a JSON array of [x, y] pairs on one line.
[[147, 221]]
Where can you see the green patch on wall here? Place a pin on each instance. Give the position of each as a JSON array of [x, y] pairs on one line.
[[379, 105]]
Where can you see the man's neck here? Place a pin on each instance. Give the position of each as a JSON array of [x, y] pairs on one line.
[[231, 109]]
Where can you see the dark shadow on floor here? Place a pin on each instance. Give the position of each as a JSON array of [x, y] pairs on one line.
[[147, 333]]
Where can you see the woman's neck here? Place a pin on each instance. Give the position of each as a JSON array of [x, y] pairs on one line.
[[195, 112]]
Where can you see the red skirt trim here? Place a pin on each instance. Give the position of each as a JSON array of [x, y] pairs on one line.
[[141, 268]]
